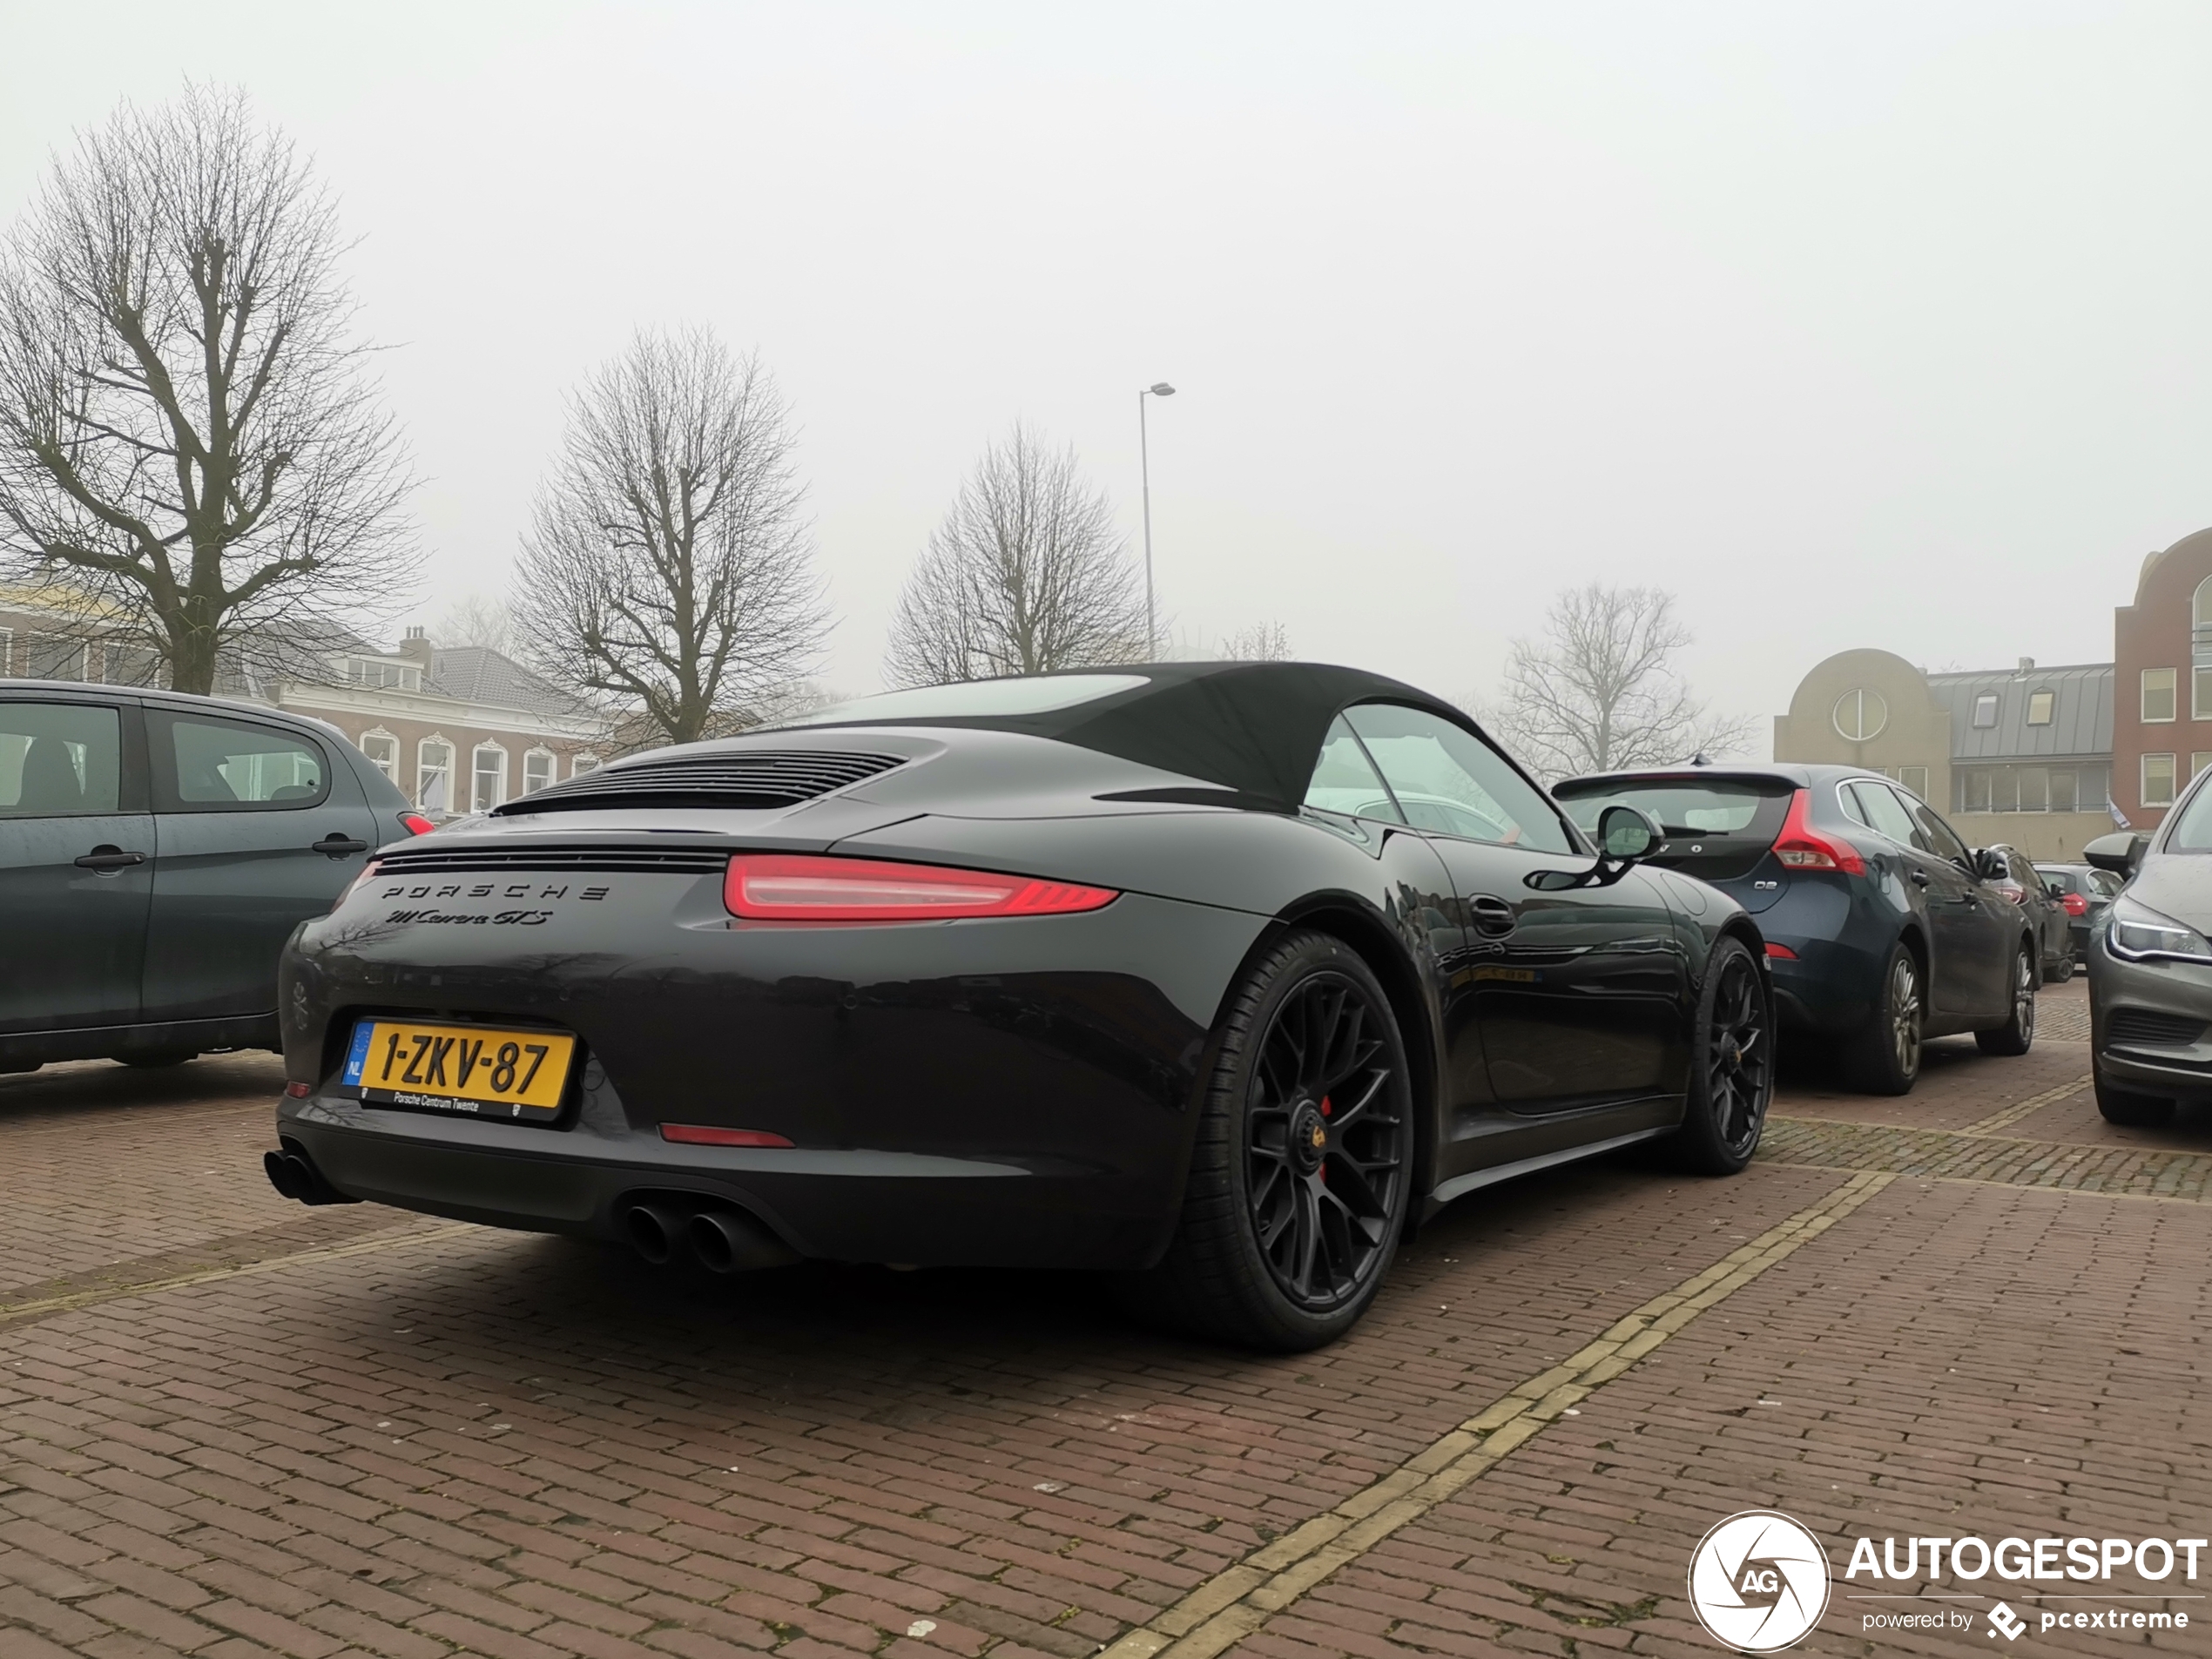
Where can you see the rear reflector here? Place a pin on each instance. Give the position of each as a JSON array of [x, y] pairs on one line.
[[776, 887], [1780, 953], [705, 1134], [299, 1091]]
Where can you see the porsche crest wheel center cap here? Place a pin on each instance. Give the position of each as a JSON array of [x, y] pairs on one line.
[[1309, 1136]]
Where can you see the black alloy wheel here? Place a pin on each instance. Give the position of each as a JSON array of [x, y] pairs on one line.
[[1324, 1152], [1301, 1172], [2017, 1035], [1733, 1081]]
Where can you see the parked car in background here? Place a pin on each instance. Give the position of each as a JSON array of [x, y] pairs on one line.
[[2150, 966], [1882, 928], [2083, 892], [156, 851], [2046, 915]]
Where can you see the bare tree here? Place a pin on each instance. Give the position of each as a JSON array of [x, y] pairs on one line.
[[1026, 573], [192, 453], [669, 564], [1599, 691], [1264, 642], [477, 619]]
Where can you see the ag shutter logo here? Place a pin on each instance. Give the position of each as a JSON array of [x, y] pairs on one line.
[[1759, 1582]]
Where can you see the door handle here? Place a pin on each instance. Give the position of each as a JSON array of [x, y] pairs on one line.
[[1919, 878], [334, 846], [1494, 917], [107, 860]]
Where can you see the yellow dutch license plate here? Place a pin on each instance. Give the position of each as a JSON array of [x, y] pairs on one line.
[[481, 1070]]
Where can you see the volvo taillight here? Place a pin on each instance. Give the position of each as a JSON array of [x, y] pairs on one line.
[[1800, 847], [782, 887], [416, 824]]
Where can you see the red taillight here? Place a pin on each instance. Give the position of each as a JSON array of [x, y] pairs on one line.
[[2075, 903], [416, 824], [778, 886], [1800, 847], [368, 870], [707, 1134], [1780, 953], [298, 1090]]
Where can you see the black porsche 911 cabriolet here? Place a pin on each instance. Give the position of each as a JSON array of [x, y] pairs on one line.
[[1218, 975]]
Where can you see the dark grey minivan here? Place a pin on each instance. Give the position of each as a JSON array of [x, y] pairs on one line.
[[156, 851]]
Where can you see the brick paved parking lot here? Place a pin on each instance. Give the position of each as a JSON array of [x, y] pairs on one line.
[[230, 1425]]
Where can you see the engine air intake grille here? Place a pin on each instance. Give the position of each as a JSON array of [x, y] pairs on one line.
[[2144, 1027], [494, 860], [757, 780]]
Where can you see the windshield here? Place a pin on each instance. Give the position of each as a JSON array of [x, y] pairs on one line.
[[2191, 826], [971, 698], [1723, 807]]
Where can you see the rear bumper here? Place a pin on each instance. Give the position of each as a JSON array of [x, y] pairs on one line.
[[1000, 1092], [840, 1205]]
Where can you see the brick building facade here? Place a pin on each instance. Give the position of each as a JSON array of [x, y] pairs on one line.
[[459, 730], [2162, 661]]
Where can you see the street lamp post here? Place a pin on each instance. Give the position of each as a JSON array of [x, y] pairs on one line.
[[1158, 389]]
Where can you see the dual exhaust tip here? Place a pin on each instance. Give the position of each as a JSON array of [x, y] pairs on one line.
[[720, 1239], [293, 1173]]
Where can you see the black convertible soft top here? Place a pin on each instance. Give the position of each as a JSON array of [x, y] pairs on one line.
[[1254, 729]]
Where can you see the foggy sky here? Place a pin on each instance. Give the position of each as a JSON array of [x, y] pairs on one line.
[[1853, 327]]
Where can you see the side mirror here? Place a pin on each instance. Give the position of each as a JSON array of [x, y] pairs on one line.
[[1991, 866], [1628, 832], [2055, 886], [2120, 852]]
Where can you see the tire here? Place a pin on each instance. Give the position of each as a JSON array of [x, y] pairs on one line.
[[166, 1057], [1883, 1058], [2017, 1035], [1731, 1080], [1267, 1252], [2060, 971], [2126, 1106]]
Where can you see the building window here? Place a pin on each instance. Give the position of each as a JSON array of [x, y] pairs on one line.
[[433, 775], [2034, 789], [2201, 694], [382, 676], [53, 656], [383, 751], [2062, 792], [7, 643], [2040, 706], [2158, 695], [2158, 780], [1861, 715], [538, 770], [582, 763], [1914, 779], [1985, 711], [2198, 762], [488, 771]]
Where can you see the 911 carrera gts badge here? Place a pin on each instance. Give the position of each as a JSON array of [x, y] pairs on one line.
[[499, 919]]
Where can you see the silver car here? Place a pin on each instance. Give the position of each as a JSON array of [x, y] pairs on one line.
[[2150, 966]]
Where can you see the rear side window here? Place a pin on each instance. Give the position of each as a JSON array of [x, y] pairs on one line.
[[207, 765], [59, 757], [1446, 778], [1344, 780], [1883, 812]]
